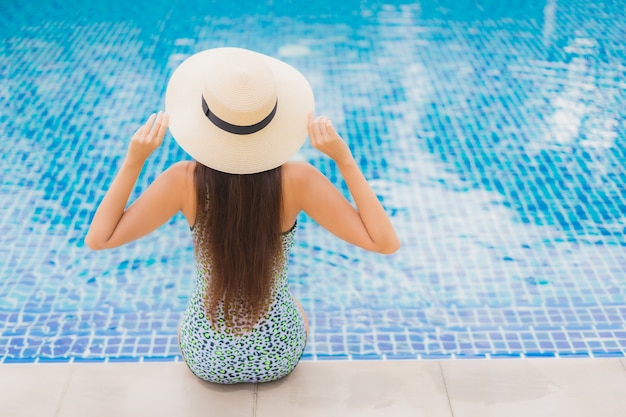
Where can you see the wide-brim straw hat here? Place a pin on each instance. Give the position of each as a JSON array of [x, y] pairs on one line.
[[238, 111]]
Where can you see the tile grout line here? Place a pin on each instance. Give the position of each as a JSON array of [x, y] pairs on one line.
[[64, 392], [445, 385], [254, 399]]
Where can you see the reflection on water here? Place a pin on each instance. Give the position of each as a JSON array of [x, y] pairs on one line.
[[492, 131]]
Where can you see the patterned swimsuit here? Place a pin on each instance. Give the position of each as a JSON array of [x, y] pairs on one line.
[[269, 352]]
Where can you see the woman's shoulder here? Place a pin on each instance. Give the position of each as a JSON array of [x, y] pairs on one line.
[[296, 178], [181, 172], [180, 176], [183, 167], [299, 171]]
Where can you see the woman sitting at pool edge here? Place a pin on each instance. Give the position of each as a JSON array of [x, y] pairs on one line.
[[241, 115]]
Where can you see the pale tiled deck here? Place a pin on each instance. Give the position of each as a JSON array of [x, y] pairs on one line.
[[459, 388]]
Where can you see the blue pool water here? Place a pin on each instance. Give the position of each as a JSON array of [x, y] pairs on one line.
[[494, 134]]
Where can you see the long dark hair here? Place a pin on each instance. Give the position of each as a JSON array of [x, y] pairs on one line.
[[239, 229]]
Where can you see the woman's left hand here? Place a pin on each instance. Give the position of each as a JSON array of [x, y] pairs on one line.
[[147, 138]]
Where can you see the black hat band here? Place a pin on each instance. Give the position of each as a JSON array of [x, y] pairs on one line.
[[237, 129]]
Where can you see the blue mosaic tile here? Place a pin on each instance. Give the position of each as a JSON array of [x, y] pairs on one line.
[[615, 354], [566, 354], [89, 360], [330, 357], [494, 136], [366, 357], [128, 358], [470, 356], [162, 359], [56, 359], [531, 354], [502, 355], [9, 360], [434, 356]]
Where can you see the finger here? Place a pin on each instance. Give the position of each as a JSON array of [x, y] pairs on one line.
[[143, 130], [150, 120], [328, 128], [322, 128], [139, 131], [314, 132], [322, 138], [163, 127], [156, 124], [313, 124], [309, 124]]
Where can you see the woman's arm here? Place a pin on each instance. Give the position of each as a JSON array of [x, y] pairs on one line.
[[114, 225], [366, 226]]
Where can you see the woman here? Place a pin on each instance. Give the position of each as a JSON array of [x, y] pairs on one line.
[[241, 116]]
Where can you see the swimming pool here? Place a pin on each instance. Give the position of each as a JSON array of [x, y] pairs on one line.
[[494, 135]]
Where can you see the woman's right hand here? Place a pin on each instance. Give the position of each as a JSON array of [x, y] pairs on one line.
[[147, 138], [324, 138]]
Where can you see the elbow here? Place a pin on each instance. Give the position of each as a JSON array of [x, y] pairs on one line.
[[92, 243], [389, 248]]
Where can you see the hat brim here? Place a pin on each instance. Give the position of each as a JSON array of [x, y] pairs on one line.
[[266, 149]]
